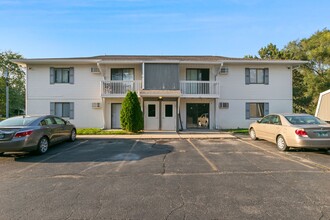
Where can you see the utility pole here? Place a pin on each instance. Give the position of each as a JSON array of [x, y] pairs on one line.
[[6, 74]]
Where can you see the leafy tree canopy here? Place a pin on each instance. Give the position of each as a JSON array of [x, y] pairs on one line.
[[16, 84]]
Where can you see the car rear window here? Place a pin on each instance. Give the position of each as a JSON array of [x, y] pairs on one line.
[[18, 121], [302, 120]]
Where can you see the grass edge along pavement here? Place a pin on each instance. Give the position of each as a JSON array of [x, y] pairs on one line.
[[99, 131]]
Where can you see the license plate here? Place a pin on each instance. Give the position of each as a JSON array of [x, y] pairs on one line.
[[322, 134]]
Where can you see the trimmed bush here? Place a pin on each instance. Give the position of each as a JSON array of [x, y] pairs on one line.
[[131, 117]]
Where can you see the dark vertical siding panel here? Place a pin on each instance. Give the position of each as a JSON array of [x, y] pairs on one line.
[[52, 75], [71, 78], [71, 110], [247, 110], [162, 76], [247, 76], [266, 76], [52, 108], [266, 105]]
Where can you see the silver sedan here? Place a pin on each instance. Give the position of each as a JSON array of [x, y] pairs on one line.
[[292, 130], [34, 133]]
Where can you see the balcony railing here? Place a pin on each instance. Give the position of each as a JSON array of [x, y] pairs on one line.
[[209, 89], [119, 88]]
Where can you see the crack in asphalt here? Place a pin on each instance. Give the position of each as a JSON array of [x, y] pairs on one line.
[[180, 206], [164, 165]]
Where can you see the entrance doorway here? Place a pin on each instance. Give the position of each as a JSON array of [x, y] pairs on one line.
[[168, 116], [198, 115], [160, 115], [151, 115], [115, 115]]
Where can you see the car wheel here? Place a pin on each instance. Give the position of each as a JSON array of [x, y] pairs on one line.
[[73, 135], [43, 145], [1, 153], [253, 134], [281, 144]]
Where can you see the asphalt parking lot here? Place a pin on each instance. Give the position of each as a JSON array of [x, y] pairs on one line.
[[166, 179]]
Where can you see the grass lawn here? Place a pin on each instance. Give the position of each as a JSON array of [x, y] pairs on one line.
[[98, 131], [239, 131]]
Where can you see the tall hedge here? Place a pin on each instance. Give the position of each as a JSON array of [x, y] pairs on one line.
[[131, 117]]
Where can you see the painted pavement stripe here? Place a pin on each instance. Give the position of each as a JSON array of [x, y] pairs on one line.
[[213, 167], [126, 157], [313, 164]]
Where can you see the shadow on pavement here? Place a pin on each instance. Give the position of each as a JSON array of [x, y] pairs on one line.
[[97, 151]]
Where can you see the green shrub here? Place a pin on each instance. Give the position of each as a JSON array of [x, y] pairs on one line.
[[131, 117]]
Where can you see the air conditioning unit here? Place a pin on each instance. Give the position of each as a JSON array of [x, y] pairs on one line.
[[224, 70], [223, 105], [95, 70], [96, 105]]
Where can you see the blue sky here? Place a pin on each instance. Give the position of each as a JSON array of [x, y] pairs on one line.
[[233, 28]]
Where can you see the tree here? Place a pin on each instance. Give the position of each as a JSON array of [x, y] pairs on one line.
[[270, 52], [131, 117], [16, 83]]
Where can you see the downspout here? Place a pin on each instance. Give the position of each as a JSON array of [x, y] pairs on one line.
[[142, 76], [217, 125], [103, 99]]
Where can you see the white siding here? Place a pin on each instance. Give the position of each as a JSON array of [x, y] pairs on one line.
[[84, 91], [234, 91]]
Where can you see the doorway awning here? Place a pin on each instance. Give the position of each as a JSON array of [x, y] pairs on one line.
[[160, 93]]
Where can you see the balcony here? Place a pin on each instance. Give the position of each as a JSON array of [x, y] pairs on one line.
[[200, 89], [189, 89], [116, 88]]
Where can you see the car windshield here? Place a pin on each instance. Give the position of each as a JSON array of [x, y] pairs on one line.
[[304, 119], [18, 121]]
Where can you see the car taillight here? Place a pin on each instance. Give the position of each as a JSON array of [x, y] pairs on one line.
[[301, 133], [23, 134]]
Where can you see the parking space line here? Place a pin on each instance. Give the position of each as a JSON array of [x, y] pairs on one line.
[[50, 157], [287, 158], [213, 167], [126, 157]]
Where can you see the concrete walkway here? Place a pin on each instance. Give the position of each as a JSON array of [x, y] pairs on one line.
[[165, 135]]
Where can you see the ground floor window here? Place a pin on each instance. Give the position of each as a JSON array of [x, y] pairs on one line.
[[62, 109], [198, 115], [256, 110]]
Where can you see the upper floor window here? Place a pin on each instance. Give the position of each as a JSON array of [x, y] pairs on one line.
[[61, 75], [256, 76], [122, 74], [198, 74], [256, 110]]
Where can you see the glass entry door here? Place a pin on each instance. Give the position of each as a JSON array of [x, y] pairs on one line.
[[198, 115]]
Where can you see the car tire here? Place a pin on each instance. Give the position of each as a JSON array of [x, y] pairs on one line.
[[43, 145], [73, 135], [253, 134], [281, 144], [1, 153]]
